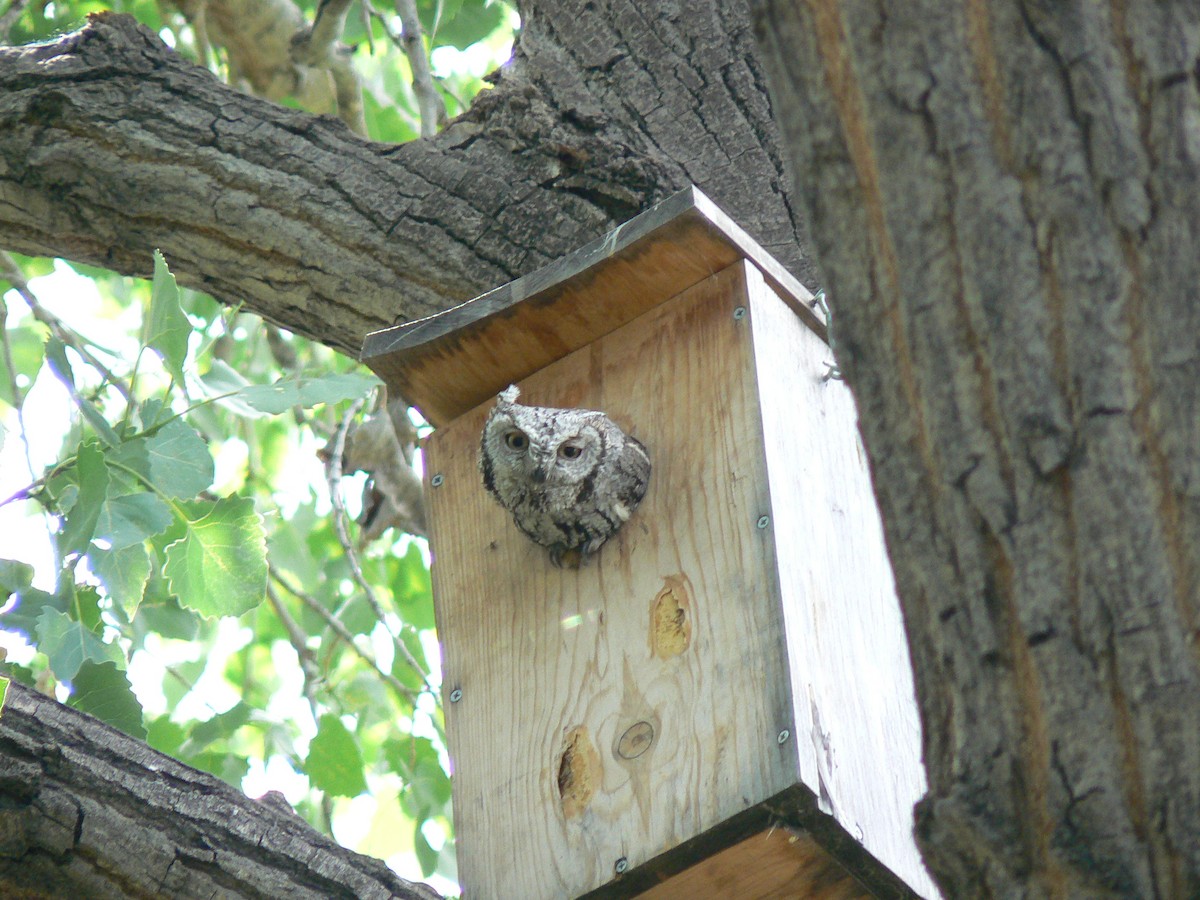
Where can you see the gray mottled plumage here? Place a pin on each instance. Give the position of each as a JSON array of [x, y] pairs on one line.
[[570, 477]]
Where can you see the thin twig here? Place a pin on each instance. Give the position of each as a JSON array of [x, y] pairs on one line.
[[299, 641], [320, 47], [13, 274], [9, 19], [18, 398], [343, 632], [429, 102], [333, 474]]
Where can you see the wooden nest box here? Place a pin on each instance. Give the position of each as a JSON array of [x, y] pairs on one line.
[[720, 702]]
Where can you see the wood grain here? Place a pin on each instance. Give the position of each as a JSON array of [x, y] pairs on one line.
[[542, 653], [858, 736], [773, 864]]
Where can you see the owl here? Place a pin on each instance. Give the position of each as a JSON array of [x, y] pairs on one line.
[[570, 477]]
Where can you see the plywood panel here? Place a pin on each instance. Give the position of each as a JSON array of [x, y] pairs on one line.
[[584, 733], [776, 864], [858, 733]]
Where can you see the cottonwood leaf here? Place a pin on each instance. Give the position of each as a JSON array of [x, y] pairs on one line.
[[334, 762], [219, 566], [28, 345], [15, 576], [68, 644], [92, 478], [222, 725], [131, 518], [166, 328], [124, 572], [103, 690], [180, 464], [23, 615], [175, 460], [306, 391]]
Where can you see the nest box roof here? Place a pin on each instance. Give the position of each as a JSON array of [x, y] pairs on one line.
[[451, 362]]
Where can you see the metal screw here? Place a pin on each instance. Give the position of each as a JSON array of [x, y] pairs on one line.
[[764, 521], [783, 736], [621, 866], [437, 480], [456, 695], [740, 312]]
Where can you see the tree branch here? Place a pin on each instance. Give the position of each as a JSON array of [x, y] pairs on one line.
[[179, 832], [112, 145]]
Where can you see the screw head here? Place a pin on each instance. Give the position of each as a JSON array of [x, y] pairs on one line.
[[456, 695], [621, 865], [739, 312], [783, 736], [437, 480], [764, 521]]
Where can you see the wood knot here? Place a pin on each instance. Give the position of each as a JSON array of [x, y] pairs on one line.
[[671, 618], [636, 740], [578, 771]]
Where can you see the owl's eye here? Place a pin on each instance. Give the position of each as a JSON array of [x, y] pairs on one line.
[[516, 440], [569, 451]]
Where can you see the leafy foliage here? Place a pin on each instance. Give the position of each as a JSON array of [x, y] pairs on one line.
[[178, 567], [201, 596]]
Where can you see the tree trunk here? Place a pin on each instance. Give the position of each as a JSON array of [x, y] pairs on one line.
[[87, 811], [1004, 201]]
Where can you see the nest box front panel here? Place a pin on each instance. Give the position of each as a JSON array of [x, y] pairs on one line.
[[599, 716]]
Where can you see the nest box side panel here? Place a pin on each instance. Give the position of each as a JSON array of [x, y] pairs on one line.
[[610, 713], [856, 714]]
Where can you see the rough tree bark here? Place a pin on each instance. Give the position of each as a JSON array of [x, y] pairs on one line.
[[1003, 198], [111, 145], [86, 811]]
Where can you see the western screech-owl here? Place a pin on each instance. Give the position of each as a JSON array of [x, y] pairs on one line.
[[570, 477]]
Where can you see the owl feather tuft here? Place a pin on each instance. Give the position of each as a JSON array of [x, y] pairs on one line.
[[570, 477]]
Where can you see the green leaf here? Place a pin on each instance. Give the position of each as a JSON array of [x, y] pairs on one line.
[[334, 763], [219, 566], [180, 464], [426, 855], [166, 328], [336, 387], [96, 419], [3, 693], [92, 477], [14, 577], [165, 736], [175, 460], [68, 644], [103, 690], [31, 603], [124, 572], [84, 604], [306, 391], [222, 725], [461, 23], [28, 344], [229, 767], [56, 355], [131, 518], [167, 619]]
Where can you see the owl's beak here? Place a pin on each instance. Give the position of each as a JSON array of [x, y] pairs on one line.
[[539, 475]]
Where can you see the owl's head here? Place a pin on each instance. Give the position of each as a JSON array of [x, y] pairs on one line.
[[542, 445]]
